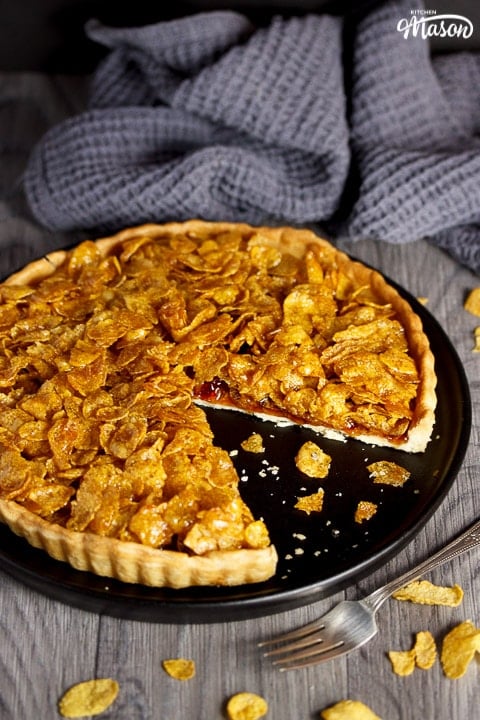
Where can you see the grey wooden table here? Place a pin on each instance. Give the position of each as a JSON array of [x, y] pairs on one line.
[[46, 646]]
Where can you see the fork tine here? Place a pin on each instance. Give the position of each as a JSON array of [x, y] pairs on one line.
[[304, 649], [294, 634], [313, 658], [304, 642]]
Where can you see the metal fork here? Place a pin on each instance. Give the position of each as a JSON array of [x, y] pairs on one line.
[[351, 623]]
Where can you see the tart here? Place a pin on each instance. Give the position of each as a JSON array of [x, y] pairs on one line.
[[110, 350]]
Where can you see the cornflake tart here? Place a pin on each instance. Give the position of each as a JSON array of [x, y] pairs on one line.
[[109, 350]]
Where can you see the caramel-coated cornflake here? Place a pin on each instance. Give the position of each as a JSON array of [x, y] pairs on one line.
[[253, 444], [386, 472], [365, 510], [312, 460], [311, 503]]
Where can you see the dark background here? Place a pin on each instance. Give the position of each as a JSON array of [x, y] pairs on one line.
[[48, 35]]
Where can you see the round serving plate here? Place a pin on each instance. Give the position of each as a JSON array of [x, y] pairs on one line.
[[319, 553]]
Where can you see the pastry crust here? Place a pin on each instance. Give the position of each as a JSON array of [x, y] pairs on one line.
[[137, 563]]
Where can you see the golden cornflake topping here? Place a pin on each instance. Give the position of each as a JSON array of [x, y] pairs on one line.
[[102, 357]]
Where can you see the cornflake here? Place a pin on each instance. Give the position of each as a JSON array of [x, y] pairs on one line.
[[425, 650], [365, 511], [311, 503], [476, 335], [422, 655], [179, 668], [403, 661], [312, 460], [253, 444], [458, 649], [246, 706], [472, 303], [426, 593], [388, 473], [349, 710], [88, 698]]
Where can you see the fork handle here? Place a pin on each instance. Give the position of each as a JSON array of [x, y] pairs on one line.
[[466, 541]]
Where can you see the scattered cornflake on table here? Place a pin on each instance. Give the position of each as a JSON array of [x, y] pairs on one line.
[[422, 655], [311, 503], [88, 698], [312, 460], [253, 444], [246, 706], [349, 710], [179, 668], [365, 511], [472, 303], [425, 650], [388, 473], [476, 335], [458, 649], [403, 661], [426, 593]]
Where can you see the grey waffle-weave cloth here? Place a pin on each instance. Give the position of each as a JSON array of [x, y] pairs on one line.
[[415, 131], [203, 116], [211, 117]]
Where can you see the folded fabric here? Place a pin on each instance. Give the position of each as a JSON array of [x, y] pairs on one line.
[[415, 135], [210, 117], [203, 116]]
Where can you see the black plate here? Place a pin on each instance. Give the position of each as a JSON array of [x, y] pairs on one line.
[[318, 553]]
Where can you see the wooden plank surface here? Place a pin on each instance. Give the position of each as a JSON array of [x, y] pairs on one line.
[[46, 646]]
